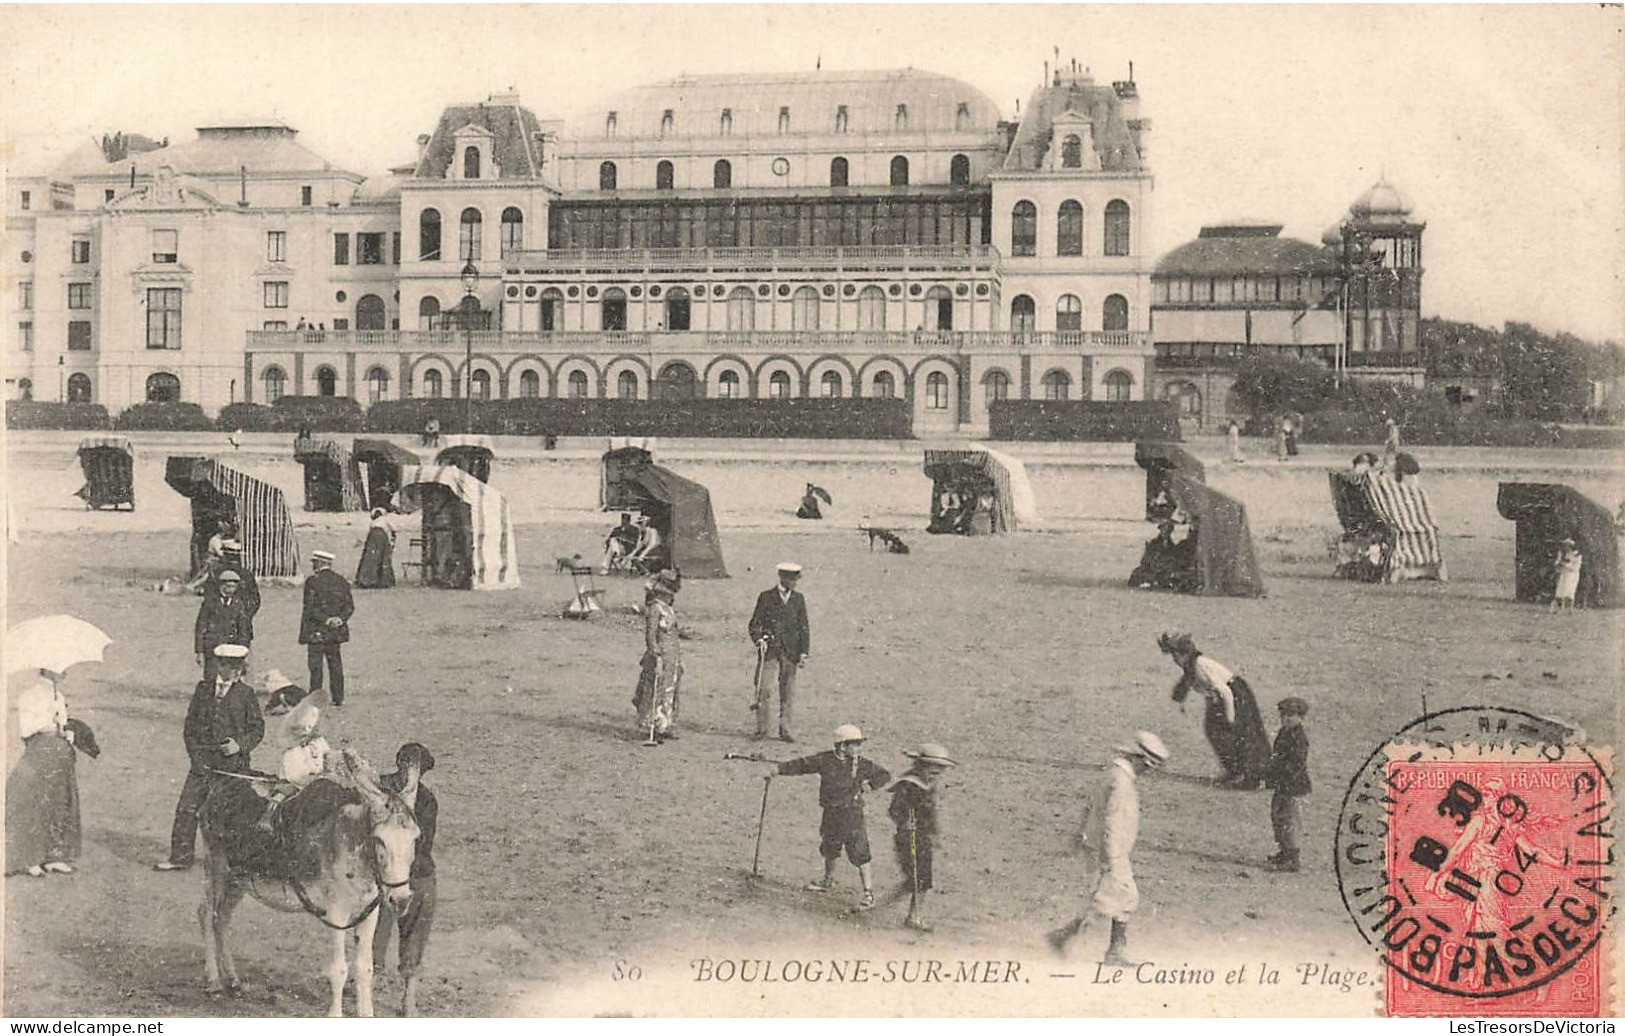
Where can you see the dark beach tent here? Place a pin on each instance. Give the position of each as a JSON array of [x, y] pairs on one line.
[[1548, 513], [109, 465], [1160, 459], [963, 476], [380, 463], [468, 540], [472, 453], [1389, 532], [257, 509], [332, 481], [679, 509], [1221, 563]]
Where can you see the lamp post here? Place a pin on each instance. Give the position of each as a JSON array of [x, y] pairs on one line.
[[471, 308]]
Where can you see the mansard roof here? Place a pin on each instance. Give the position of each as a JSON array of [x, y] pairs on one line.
[[1116, 142], [516, 144]]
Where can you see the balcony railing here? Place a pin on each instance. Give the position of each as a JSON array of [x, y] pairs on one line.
[[812, 257], [652, 342]]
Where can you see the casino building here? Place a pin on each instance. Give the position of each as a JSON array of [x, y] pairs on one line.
[[758, 236]]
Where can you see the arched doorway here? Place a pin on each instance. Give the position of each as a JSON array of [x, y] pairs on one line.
[[79, 388], [327, 381], [677, 381], [370, 314], [163, 388]]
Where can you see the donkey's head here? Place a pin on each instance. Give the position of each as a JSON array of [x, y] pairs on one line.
[[394, 830]]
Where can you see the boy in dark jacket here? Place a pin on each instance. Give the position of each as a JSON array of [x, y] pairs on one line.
[[842, 776], [1289, 778], [914, 811]]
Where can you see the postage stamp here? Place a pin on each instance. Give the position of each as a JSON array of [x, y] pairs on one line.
[[1475, 855]]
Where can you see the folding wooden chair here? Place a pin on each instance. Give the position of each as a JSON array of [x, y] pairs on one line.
[[586, 601]]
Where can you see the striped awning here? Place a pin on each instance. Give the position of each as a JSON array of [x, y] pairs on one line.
[[108, 442], [493, 558], [349, 475], [1407, 520], [1014, 500], [264, 527]]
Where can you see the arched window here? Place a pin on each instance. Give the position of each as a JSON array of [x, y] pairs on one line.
[[327, 381], [725, 125], [276, 383], [679, 310], [899, 171], [626, 385], [871, 309], [936, 391], [1069, 313], [1023, 315], [1057, 385], [1119, 386], [1024, 229], [741, 311], [900, 121], [998, 386], [577, 384], [370, 314], [552, 310], [612, 311], [728, 385], [1117, 228], [722, 174], [784, 120], [479, 385], [434, 385], [959, 171], [841, 120], [778, 385], [1114, 314], [428, 313], [962, 117], [663, 176], [530, 384], [606, 176], [829, 386], [377, 385], [611, 125], [471, 163], [78, 388], [1072, 152], [468, 235], [163, 388], [804, 309], [429, 234], [837, 172], [666, 122], [1069, 229], [513, 230], [885, 385]]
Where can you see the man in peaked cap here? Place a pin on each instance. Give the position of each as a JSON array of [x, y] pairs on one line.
[[222, 618], [231, 556], [1289, 780], [778, 628], [324, 624], [412, 762], [223, 725], [1111, 825]]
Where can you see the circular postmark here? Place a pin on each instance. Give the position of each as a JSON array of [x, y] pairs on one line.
[[1474, 853]]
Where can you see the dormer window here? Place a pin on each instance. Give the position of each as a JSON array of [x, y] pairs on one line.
[[726, 126], [1072, 152], [784, 120], [840, 119], [609, 125], [471, 163], [666, 122], [901, 120]]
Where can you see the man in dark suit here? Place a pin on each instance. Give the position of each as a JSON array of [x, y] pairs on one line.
[[778, 627], [222, 618], [223, 725], [231, 555], [324, 624]]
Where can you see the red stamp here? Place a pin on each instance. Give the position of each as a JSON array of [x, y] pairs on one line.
[[1482, 874]]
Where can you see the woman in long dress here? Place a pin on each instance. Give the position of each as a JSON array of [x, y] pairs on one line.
[[661, 669], [42, 794], [1231, 721], [377, 568]]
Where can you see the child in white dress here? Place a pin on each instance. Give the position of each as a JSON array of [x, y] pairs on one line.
[[1567, 565]]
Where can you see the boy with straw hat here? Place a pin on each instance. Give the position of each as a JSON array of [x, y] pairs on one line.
[[914, 811]]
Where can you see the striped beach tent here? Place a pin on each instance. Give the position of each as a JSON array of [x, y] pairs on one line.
[[1406, 519], [332, 477], [974, 469], [258, 510], [468, 539]]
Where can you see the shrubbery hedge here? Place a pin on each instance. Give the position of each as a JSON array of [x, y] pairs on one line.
[[1440, 423], [164, 417], [699, 418], [26, 414], [1052, 420]]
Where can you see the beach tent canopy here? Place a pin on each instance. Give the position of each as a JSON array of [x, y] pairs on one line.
[[466, 527], [1158, 459], [977, 469], [382, 451], [256, 508], [332, 477], [680, 509], [1379, 508], [379, 463], [472, 453], [108, 462], [1548, 513], [1225, 564]]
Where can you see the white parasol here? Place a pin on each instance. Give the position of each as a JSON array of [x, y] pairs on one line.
[[54, 642]]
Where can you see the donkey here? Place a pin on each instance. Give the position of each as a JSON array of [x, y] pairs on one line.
[[336, 852]]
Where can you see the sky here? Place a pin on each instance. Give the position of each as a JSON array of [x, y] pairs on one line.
[[1502, 125]]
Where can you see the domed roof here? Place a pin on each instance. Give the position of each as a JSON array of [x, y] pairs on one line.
[[1333, 236], [935, 103], [1381, 200], [1225, 250]]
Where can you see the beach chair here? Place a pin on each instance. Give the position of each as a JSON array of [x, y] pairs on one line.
[[415, 546], [585, 602]]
